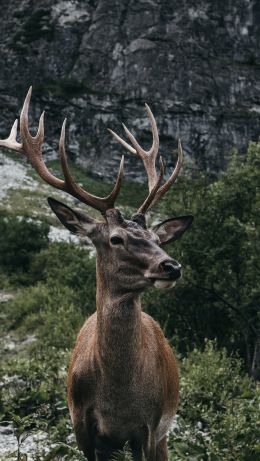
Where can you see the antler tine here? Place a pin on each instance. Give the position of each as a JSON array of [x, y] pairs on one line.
[[153, 151], [149, 200], [31, 146], [148, 156], [155, 146], [165, 187], [123, 142], [24, 129], [11, 142]]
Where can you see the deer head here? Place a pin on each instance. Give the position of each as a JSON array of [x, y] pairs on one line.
[[128, 250]]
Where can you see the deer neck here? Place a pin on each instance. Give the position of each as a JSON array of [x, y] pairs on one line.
[[118, 321]]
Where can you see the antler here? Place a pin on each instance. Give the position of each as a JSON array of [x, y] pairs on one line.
[[156, 190], [31, 147]]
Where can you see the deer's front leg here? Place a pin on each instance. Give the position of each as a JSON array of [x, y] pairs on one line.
[[162, 450], [83, 428], [138, 443], [150, 447]]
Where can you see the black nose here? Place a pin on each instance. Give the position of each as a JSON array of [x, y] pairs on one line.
[[172, 269]]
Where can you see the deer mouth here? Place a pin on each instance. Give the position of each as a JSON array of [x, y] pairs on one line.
[[163, 283]]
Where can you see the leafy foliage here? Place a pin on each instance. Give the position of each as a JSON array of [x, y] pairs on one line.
[[67, 265], [19, 240], [219, 412]]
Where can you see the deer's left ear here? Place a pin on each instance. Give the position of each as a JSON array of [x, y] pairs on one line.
[[172, 229], [74, 220]]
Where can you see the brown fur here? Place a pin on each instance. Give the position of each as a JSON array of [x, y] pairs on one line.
[[123, 380], [118, 396]]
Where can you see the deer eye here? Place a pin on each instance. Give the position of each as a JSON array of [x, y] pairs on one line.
[[116, 240]]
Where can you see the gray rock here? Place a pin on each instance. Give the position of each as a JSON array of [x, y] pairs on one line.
[[97, 61], [5, 297]]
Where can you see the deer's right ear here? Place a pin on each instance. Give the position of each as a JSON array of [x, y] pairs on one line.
[[74, 220]]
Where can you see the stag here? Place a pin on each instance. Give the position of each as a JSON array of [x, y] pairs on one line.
[[123, 377]]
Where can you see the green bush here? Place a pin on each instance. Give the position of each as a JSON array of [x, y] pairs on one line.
[[66, 264], [20, 239], [36, 384], [49, 312], [61, 297], [219, 410]]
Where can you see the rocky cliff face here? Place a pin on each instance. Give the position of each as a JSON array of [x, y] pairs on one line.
[[197, 63]]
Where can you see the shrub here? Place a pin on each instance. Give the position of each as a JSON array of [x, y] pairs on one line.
[[20, 239], [49, 312], [67, 264], [219, 410], [35, 384]]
